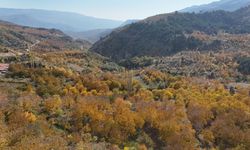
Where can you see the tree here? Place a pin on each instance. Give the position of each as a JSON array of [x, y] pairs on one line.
[[53, 104]]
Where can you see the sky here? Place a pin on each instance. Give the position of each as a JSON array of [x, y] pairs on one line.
[[109, 9]]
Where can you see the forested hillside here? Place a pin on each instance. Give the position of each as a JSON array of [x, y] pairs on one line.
[[168, 34]]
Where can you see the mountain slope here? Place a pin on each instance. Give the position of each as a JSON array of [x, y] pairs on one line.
[[21, 38], [48, 47], [227, 5], [168, 34], [128, 22], [64, 21]]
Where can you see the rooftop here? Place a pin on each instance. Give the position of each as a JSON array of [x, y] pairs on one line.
[[4, 67]]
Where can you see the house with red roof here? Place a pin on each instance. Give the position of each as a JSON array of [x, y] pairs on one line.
[[4, 68]]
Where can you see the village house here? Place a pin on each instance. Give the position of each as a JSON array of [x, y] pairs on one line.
[[3, 68]]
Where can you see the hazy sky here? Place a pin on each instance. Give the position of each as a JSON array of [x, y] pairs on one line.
[[110, 9]]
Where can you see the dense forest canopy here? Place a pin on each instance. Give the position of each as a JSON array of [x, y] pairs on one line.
[[244, 65], [140, 109]]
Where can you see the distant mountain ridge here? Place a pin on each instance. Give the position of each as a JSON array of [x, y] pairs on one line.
[[65, 21], [227, 5], [167, 34], [90, 35], [95, 35], [73, 24]]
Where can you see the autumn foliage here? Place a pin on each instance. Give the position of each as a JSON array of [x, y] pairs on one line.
[[141, 110]]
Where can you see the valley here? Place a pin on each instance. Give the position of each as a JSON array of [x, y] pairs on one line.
[[176, 81]]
